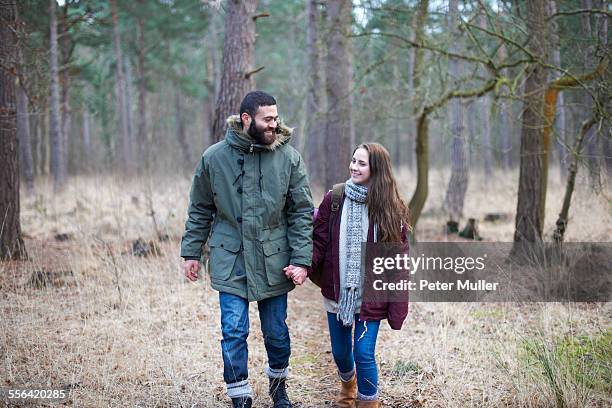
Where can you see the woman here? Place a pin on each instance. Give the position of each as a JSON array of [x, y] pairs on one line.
[[371, 209]]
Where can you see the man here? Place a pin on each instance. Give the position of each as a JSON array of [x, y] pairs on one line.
[[250, 193]]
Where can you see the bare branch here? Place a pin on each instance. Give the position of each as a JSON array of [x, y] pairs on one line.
[[260, 15], [253, 72], [533, 59], [477, 43], [425, 46], [472, 93], [561, 224], [503, 38], [569, 81], [579, 11]]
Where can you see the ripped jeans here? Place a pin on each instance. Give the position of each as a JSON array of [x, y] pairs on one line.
[[361, 354]]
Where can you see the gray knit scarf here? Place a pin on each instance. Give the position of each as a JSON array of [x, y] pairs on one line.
[[349, 293]]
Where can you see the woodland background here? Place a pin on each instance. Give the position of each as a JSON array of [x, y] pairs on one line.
[[496, 111]]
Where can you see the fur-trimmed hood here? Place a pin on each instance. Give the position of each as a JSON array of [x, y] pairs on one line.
[[236, 136]]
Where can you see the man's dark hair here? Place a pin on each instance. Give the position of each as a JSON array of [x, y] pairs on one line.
[[253, 100]]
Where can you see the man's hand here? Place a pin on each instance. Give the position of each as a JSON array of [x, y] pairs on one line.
[[191, 268], [297, 274]]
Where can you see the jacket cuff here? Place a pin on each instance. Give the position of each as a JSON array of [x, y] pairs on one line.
[[307, 267], [308, 270], [191, 258]]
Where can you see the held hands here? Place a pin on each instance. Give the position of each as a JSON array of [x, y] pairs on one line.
[[297, 274], [191, 268]]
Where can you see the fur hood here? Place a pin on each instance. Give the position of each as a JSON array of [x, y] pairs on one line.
[[244, 141]]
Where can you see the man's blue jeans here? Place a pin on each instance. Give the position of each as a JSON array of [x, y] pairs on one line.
[[235, 330], [361, 354]]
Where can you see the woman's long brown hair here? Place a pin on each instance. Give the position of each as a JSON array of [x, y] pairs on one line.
[[386, 208]]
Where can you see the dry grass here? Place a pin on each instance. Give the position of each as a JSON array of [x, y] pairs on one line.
[[127, 331]]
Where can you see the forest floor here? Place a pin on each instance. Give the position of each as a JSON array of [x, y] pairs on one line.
[[86, 314]]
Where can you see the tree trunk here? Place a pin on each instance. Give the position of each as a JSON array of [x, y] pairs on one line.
[[35, 136], [487, 149], [180, 132], [505, 132], [129, 102], [411, 130], [417, 202], [314, 99], [126, 148], [214, 77], [559, 125], [86, 140], [485, 111], [43, 140], [293, 102], [419, 197], [25, 142], [208, 109], [479, 134], [209, 105], [23, 125], [141, 138], [532, 185], [604, 43], [55, 137], [457, 186], [561, 224], [398, 130], [11, 242], [66, 127], [238, 56], [472, 136], [106, 122], [216, 56], [590, 139], [420, 194], [504, 109], [339, 80], [65, 79]]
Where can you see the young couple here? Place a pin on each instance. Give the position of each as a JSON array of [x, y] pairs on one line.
[[250, 193]]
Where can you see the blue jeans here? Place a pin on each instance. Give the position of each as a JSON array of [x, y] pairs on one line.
[[235, 330], [360, 354]]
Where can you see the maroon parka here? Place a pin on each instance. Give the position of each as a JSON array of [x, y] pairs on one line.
[[326, 251]]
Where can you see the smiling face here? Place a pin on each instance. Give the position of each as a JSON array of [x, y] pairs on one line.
[[262, 127], [360, 167]]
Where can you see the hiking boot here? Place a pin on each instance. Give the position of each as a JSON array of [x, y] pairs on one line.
[[278, 393], [348, 392], [368, 404], [242, 402]]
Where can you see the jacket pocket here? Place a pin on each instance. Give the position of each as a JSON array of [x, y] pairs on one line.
[[223, 253], [277, 255]]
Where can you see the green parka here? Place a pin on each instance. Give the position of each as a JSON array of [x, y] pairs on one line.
[[255, 202]]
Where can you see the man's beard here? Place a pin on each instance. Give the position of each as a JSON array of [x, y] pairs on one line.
[[259, 134]]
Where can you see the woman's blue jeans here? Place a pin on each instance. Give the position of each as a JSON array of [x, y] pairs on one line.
[[360, 354], [235, 330]]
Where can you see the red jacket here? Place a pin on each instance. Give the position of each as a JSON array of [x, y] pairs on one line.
[[326, 250]]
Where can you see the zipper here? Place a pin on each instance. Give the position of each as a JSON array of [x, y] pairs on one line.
[[260, 175]]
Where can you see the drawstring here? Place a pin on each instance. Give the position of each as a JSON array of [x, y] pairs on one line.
[[237, 178]]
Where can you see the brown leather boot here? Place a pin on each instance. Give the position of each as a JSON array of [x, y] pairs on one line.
[[368, 404], [348, 392]]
